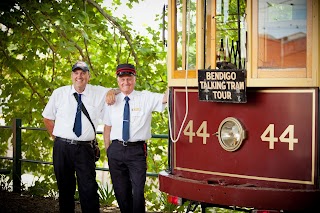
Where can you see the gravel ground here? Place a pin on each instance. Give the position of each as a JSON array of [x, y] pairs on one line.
[[13, 203]]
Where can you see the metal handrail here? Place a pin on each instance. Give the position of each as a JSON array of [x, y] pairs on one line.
[[17, 158]]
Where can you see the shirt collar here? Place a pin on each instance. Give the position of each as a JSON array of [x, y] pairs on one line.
[[85, 92], [130, 95]]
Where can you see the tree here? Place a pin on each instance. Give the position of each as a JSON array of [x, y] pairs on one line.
[[39, 43]]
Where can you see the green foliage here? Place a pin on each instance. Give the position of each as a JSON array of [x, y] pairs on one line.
[[169, 207], [43, 188], [157, 201], [43, 180], [5, 183], [106, 195]]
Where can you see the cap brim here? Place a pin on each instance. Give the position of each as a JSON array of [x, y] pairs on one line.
[[125, 73], [85, 69]]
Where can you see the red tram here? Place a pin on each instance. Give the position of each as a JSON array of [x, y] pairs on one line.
[[244, 105]]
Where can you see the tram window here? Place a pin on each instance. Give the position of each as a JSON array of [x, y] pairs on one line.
[[230, 45], [186, 34], [282, 34]]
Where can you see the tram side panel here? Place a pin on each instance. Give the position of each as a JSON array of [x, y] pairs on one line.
[[278, 153]]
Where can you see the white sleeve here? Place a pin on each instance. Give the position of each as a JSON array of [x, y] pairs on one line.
[[106, 115], [156, 99], [50, 110]]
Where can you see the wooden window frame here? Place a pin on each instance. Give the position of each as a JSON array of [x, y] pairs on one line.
[[178, 77], [297, 77]]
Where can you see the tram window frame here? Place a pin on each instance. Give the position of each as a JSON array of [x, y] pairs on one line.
[[177, 76], [280, 76]]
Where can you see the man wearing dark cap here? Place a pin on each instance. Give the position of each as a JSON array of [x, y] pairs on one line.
[[128, 126], [73, 134]]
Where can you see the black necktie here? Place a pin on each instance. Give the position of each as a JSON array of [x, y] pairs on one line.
[[126, 120], [77, 128]]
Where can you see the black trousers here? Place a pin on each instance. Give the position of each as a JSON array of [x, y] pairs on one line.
[[75, 163], [128, 169]]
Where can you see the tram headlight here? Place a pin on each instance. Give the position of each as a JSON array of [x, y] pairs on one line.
[[231, 134]]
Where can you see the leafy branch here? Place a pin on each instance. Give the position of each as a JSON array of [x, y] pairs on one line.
[[118, 26], [42, 35], [29, 83]]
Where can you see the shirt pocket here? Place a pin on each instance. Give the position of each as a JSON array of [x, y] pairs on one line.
[[65, 111], [137, 117], [93, 112]]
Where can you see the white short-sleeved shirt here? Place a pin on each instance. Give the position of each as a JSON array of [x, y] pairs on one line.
[[62, 108], [142, 104]]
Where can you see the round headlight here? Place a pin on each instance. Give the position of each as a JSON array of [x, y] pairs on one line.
[[231, 134]]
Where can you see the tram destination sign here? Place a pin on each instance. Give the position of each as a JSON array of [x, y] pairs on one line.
[[222, 85]]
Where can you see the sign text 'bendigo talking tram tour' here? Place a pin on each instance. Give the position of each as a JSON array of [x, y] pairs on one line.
[[244, 78]]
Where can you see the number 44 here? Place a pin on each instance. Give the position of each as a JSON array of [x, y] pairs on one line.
[[287, 136]]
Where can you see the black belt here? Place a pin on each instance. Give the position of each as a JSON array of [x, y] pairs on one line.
[[75, 142], [128, 143]]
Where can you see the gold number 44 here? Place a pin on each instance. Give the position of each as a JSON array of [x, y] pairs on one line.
[[287, 136], [201, 132]]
